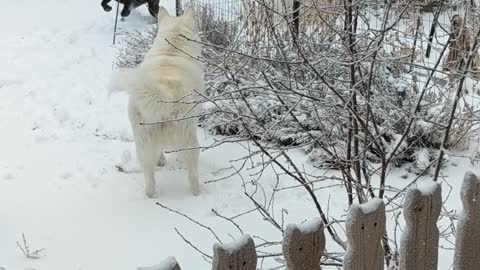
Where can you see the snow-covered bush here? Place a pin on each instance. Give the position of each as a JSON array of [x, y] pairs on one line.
[[305, 113], [272, 96], [133, 47]]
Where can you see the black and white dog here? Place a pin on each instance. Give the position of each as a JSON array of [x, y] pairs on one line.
[[129, 5]]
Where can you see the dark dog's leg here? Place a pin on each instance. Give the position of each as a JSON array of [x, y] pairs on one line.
[[153, 7], [105, 5], [137, 3], [127, 4]]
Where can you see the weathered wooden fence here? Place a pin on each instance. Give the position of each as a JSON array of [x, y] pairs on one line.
[[303, 245]]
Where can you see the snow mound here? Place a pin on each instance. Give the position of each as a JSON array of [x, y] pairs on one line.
[[307, 227], [169, 263], [371, 206], [235, 246], [427, 186]]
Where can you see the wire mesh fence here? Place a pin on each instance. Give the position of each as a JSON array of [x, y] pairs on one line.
[[218, 20], [222, 10], [416, 32]]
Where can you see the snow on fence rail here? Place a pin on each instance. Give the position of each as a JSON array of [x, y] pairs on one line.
[[303, 245]]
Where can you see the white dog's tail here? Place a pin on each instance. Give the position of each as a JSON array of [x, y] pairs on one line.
[[147, 92], [124, 80]]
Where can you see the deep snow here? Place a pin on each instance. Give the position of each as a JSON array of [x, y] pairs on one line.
[[63, 136]]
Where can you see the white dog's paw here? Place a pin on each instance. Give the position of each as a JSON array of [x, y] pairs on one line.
[[195, 190], [151, 193]]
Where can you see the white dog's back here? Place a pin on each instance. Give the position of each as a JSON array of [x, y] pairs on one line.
[[162, 92]]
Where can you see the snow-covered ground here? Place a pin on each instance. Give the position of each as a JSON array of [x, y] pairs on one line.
[[62, 137]]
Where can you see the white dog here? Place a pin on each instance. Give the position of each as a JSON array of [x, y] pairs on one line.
[[161, 97]]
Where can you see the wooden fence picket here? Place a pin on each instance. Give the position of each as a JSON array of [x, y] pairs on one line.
[[239, 255], [303, 245], [467, 251], [365, 227], [419, 243]]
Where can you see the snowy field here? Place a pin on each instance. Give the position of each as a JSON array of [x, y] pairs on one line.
[[63, 136]]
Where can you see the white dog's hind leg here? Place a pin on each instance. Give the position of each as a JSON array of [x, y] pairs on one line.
[[190, 159], [148, 159], [149, 171]]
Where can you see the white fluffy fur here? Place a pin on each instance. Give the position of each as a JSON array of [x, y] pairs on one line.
[[168, 73]]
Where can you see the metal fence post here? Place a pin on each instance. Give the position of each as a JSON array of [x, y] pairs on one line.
[[296, 18], [178, 7]]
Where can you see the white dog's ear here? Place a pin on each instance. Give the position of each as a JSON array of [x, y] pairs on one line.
[[189, 15], [162, 14], [189, 12]]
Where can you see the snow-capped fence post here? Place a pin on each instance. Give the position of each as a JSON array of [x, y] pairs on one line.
[[239, 255], [419, 243], [467, 254], [303, 245], [169, 263], [365, 228]]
